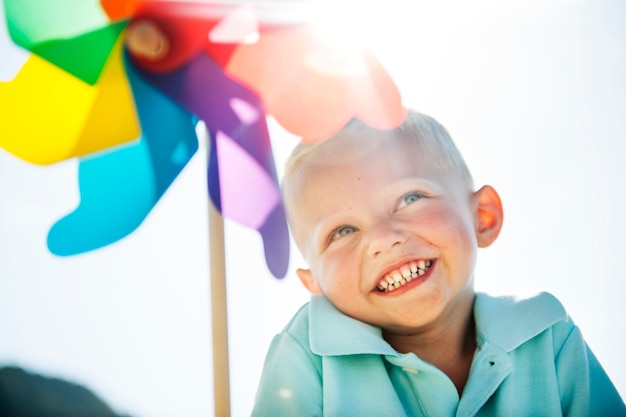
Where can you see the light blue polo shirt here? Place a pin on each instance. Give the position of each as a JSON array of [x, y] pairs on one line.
[[531, 360]]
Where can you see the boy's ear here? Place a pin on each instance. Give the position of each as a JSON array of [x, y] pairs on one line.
[[307, 279], [489, 215]]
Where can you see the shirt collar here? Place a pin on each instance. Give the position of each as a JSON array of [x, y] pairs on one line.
[[332, 333], [498, 318]]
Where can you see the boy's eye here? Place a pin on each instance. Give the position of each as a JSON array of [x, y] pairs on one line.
[[342, 231], [409, 198]]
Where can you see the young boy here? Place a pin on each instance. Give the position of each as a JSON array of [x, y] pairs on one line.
[[389, 224]]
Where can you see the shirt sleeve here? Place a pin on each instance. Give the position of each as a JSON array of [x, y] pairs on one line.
[[291, 381], [605, 400], [586, 389]]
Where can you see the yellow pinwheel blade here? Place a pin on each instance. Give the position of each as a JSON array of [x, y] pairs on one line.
[[112, 120], [42, 111], [47, 115]]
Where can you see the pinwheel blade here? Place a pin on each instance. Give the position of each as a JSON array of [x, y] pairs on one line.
[[119, 188], [83, 56], [235, 115], [313, 87], [47, 115], [33, 22]]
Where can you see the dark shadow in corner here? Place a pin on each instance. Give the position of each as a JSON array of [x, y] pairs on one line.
[[24, 394]]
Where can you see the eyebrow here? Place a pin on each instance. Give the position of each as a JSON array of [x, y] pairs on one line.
[[407, 184]]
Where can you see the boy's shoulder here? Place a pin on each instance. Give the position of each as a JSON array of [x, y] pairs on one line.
[[298, 326], [511, 320]]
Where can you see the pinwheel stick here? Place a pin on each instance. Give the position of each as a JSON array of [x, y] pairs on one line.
[[219, 315], [145, 40]]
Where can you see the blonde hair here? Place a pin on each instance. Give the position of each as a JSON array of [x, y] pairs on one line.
[[423, 132]]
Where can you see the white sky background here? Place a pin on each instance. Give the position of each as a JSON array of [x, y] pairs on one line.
[[534, 94]]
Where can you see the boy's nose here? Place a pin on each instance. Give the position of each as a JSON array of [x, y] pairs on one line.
[[383, 238]]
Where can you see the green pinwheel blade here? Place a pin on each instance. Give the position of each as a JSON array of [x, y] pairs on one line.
[[31, 22], [74, 35], [83, 56]]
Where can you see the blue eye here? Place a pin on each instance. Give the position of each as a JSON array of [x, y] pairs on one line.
[[342, 231], [410, 198], [345, 230]]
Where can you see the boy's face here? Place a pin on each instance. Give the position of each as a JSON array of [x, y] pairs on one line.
[[369, 217]]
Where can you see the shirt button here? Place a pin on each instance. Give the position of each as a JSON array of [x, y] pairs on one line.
[[410, 370]]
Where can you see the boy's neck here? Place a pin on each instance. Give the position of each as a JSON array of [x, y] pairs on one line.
[[449, 347]]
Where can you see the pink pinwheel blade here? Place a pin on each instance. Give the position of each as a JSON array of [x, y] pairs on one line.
[[236, 169]]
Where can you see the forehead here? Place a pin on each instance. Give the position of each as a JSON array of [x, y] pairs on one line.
[[368, 159]]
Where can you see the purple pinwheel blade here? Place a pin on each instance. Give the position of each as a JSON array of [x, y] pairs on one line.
[[235, 119]]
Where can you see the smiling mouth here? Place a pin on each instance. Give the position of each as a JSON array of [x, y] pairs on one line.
[[403, 275]]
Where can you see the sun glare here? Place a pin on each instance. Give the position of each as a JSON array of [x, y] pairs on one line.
[[346, 23]]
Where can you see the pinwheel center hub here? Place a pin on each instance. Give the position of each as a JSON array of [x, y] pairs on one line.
[[146, 40]]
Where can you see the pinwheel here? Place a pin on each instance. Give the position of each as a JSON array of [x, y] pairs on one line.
[[131, 119]]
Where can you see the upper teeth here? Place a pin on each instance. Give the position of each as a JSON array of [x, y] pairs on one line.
[[402, 275]]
